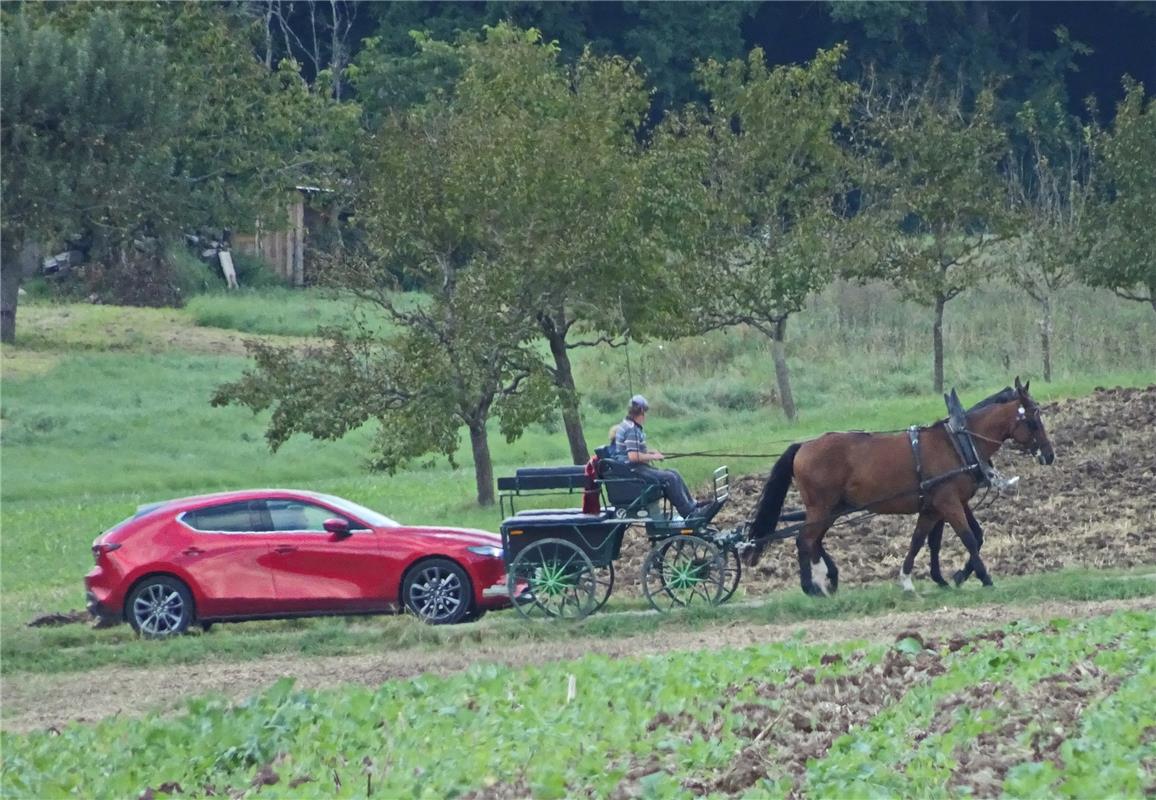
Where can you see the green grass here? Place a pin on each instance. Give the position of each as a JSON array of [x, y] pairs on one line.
[[284, 311], [74, 648], [102, 409]]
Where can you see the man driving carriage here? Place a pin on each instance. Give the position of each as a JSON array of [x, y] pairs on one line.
[[630, 448]]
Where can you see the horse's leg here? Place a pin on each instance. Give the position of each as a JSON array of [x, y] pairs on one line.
[[925, 523], [963, 574], [813, 572], [934, 540], [956, 515], [832, 570]]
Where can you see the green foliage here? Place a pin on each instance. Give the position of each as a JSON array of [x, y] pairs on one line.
[[404, 738], [1124, 256]]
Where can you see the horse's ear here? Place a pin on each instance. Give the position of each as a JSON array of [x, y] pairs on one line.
[[1027, 386], [1019, 386]]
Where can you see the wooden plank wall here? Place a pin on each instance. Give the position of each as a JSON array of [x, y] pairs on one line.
[[283, 249]]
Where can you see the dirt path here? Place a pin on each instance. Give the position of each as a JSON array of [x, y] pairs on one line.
[[34, 702]]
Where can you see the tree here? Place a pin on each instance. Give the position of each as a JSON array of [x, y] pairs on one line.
[[1124, 249], [452, 364], [567, 218], [433, 200], [781, 172], [1052, 192], [940, 195], [86, 136]]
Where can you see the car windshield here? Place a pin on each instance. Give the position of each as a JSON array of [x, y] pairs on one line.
[[360, 511]]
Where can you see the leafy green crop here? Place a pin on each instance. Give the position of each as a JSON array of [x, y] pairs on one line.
[[668, 725]]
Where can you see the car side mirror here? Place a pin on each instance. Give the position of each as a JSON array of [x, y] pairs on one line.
[[338, 527]]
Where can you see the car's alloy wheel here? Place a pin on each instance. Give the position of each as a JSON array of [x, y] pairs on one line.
[[438, 591], [160, 607]]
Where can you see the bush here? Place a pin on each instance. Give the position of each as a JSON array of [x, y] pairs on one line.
[[253, 273]]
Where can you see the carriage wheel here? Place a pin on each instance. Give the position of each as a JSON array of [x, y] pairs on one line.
[[553, 578], [683, 571], [732, 573], [604, 578]]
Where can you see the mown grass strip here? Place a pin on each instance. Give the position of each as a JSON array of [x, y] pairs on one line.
[[74, 648]]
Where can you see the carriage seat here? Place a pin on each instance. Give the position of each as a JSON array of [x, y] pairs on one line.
[[567, 478], [625, 489]]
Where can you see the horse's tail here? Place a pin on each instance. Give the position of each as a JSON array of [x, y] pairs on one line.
[[771, 502]]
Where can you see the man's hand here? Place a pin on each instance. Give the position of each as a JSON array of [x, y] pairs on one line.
[[655, 455]]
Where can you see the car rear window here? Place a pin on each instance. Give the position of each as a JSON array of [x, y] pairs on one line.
[[240, 517]]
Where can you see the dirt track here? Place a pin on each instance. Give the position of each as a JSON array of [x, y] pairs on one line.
[[35, 702], [1094, 507]]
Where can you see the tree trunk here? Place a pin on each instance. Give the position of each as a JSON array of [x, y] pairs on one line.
[[11, 275], [269, 34], [937, 338], [782, 373], [1046, 336], [567, 393], [483, 465]]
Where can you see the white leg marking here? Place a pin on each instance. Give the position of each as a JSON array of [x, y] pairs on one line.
[[819, 575], [905, 579]]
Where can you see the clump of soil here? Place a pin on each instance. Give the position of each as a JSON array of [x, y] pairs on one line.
[[1094, 507]]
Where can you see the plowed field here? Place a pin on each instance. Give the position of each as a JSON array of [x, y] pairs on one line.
[[1094, 507]]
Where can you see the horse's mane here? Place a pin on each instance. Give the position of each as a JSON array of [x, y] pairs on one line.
[[1004, 395]]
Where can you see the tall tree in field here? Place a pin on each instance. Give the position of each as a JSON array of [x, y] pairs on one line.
[[563, 211], [86, 130], [780, 172], [569, 221], [1052, 194], [1124, 246], [942, 195]]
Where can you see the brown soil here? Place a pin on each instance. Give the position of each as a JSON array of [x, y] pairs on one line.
[[33, 701], [1094, 507]]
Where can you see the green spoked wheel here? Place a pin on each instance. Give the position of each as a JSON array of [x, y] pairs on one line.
[[732, 573], [604, 580], [554, 578], [684, 571]]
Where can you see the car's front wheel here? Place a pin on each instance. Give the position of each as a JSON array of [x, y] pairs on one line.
[[438, 591], [159, 606]]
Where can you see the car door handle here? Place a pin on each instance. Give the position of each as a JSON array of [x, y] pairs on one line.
[[192, 551], [285, 548]]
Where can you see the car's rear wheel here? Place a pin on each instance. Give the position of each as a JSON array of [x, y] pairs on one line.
[[159, 606], [438, 591]]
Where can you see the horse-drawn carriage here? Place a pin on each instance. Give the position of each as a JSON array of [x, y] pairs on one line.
[[560, 562]]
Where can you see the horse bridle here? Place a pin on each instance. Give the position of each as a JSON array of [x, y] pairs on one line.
[[1028, 414]]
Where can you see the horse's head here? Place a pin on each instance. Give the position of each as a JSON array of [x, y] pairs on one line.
[[1027, 429]]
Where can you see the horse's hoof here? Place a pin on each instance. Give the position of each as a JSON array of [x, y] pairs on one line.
[[959, 577], [942, 584]]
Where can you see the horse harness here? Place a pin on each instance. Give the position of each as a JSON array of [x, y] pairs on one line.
[[984, 474]]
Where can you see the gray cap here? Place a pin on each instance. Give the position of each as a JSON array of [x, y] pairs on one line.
[[638, 401]]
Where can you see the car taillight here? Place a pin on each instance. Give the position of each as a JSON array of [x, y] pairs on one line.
[[99, 549]]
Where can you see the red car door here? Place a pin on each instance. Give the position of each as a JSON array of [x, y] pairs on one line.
[[224, 551], [315, 571]]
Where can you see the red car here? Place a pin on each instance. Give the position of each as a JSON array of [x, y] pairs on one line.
[[272, 553]]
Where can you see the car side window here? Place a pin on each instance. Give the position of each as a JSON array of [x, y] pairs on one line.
[[294, 515], [248, 516]]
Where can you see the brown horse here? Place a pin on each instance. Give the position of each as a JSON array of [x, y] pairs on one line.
[[840, 473]]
